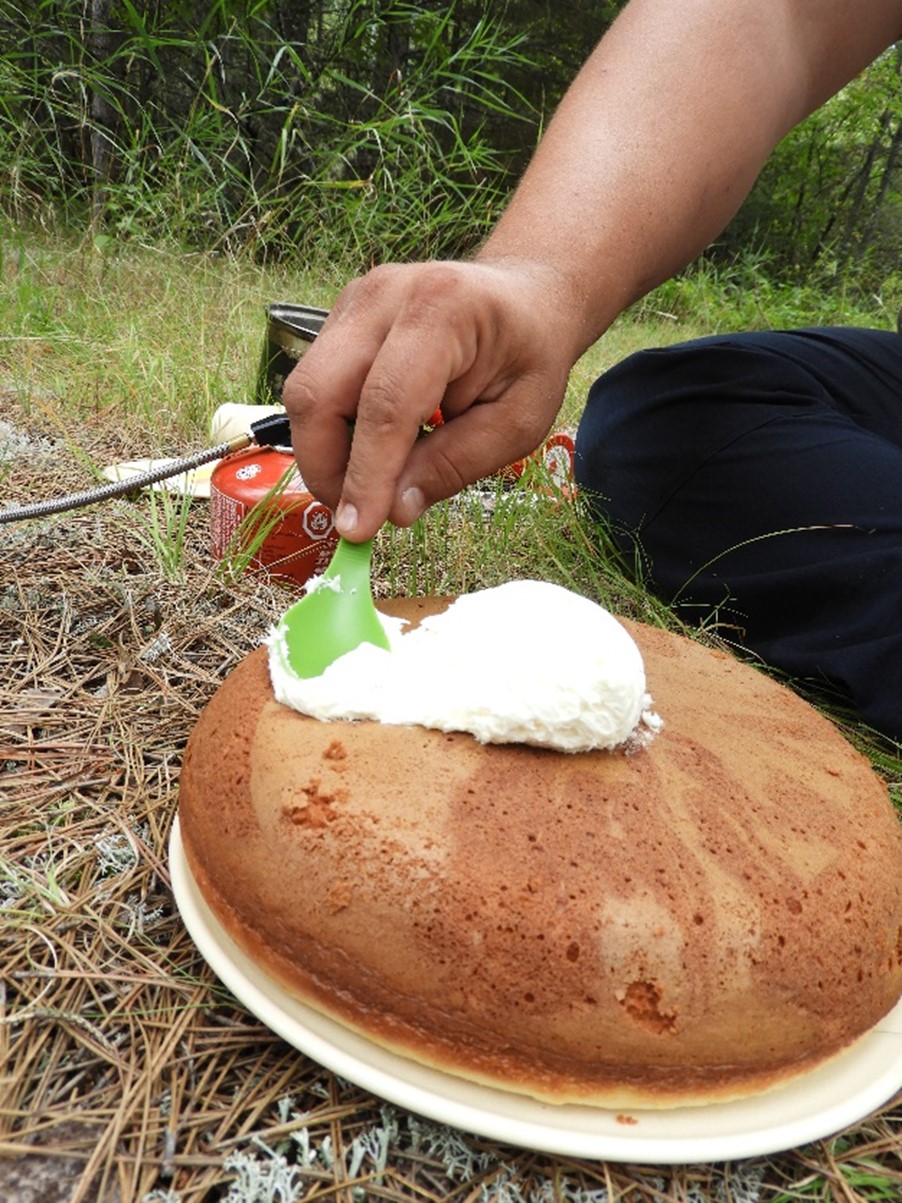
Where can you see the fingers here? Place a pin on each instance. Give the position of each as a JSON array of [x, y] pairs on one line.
[[382, 361], [485, 437], [398, 344], [406, 383], [321, 397]]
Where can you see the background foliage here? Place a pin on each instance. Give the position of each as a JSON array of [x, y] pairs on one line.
[[350, 131], [365, 128], [827, 204]]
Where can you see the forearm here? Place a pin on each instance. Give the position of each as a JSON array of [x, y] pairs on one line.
[[662, 135], [650, 153]]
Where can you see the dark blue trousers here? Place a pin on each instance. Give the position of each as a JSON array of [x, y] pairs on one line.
[[759, 478]]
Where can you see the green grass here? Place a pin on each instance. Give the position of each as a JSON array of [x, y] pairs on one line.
[[134, 334], [250, 128], [131, 332], [163, 530]]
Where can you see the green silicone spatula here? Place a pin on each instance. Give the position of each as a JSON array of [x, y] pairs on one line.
[[334, 618]]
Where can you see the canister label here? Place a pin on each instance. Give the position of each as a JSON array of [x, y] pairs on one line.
[[261, 509]]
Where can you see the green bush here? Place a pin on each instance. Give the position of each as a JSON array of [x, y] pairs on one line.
[[358, 137]]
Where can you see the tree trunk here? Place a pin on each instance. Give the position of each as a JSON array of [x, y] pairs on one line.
[[103, 116]]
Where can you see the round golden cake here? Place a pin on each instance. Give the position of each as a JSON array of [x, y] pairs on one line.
[[696, 921]]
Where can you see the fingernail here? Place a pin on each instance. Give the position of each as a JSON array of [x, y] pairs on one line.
[[411, 503], [346, 518]]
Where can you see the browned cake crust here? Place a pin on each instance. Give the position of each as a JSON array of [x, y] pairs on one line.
[[697, 921]]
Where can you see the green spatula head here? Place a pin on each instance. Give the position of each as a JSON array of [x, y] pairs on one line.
[[334, 618]]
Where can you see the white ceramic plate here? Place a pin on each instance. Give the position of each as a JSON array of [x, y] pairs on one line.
[[814, 1106]]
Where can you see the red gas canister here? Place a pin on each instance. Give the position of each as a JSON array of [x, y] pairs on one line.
[[261, 508], [557, 453]]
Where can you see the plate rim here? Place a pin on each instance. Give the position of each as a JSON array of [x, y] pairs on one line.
[[440, 1098]]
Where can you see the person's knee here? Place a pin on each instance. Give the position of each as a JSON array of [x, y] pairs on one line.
[[618, 400], [637, 429], [631, 386], [652, 417]]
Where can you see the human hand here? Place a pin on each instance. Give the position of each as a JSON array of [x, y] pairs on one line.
[[484, 342]]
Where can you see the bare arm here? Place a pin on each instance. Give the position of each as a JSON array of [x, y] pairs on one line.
[[651, 152], [664, 131]]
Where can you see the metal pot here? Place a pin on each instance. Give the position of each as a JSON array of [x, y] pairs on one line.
[[290, 331]]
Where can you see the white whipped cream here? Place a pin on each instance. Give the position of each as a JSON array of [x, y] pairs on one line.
[[526, 662]]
